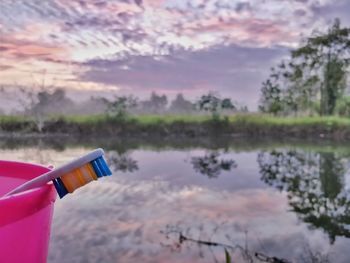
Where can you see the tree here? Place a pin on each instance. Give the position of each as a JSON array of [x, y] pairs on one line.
[[92, 106], [227, 104], [343, 106], [285, 92], [272, 101], [315, 71], [214, 104], [54, 102], [38, 101], [326, 56], [118, 108], [181, 105], [156, 103]]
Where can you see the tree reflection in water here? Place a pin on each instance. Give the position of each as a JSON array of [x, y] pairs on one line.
[[211, 165], [314, 183], [178, 238], [121, 162]]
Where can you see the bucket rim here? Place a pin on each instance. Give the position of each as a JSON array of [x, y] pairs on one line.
[[11, 162], [26, 203]]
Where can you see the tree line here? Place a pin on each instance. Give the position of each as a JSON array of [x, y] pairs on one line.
[[54, 101], [211, 102], [313, 80]]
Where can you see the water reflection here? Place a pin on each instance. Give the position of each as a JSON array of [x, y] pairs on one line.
[[179, 238], [211, 164], [118, 219], [314, 183], [121, 162]]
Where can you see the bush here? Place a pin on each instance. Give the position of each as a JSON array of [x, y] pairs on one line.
[[343, 106]]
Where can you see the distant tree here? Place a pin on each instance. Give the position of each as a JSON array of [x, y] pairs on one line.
[[156, 104], [54, 102], [39, 100], [181, 105], [243, 108], [92, 106], [214, 104], [227, 104], [39, 103], [119, 107]]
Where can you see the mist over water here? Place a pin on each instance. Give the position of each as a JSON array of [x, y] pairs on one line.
[[289, 201]]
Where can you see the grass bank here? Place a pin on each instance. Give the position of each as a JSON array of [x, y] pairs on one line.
[[188, 126]]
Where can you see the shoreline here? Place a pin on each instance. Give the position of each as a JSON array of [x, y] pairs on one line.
[[180, 127]]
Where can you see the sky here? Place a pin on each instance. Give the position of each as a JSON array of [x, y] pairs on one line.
[[92, 47]]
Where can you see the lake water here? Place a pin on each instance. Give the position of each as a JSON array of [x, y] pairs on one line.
[[175, 202]]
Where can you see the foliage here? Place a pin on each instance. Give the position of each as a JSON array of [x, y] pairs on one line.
[[214, 104], [343, 106], [181, 105], [41, 103], [326, 57], [170, 118], [194, 126], [51, 102], [156, 104], [272, 101], [315, 71], [118, 108]]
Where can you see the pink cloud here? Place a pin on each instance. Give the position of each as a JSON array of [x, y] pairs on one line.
[[154, 3], [5, 67], [19, 49], [252, 29]]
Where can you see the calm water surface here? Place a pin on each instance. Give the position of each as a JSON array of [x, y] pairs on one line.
[[167, 204]]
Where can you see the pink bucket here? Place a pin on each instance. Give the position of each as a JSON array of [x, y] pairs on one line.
[[25, 218]]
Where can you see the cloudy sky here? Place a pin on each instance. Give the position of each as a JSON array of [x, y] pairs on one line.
[[168, 46]]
